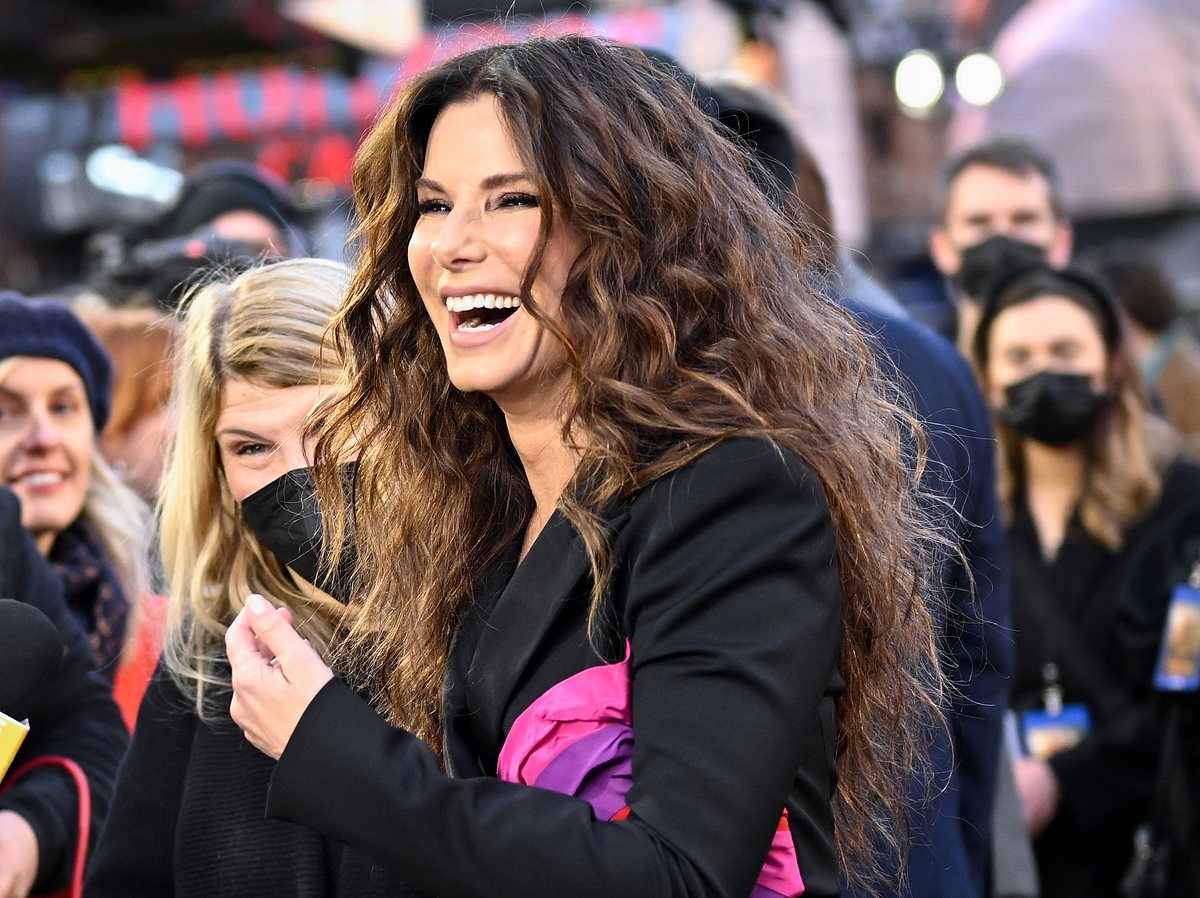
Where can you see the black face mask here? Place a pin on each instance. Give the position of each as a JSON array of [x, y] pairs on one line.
[[285, 517], [1053, 408], [986, 264]]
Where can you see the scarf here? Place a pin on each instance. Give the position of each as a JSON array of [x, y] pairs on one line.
[[93, 592]]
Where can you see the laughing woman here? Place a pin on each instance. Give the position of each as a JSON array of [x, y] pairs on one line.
[[643, 561]]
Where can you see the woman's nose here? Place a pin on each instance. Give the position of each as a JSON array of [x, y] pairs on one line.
[[42, 432], [459, 240]]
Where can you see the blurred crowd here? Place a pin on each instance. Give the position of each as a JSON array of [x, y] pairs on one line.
[[1058, 377]]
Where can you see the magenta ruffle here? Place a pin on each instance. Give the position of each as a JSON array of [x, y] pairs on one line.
[[577, 739]]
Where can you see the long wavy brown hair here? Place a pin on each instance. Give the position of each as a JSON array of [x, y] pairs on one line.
[[687, 319]]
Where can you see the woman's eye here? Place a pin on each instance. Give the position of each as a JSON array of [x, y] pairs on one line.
[[1066, 351], [432, 207], [518, 200], [243, 449]]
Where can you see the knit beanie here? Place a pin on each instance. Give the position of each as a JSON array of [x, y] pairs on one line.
[[49, 330]]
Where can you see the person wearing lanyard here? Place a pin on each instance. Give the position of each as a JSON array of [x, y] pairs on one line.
[[1086, 476]]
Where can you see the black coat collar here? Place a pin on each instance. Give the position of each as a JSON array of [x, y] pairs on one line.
[[553, 573]]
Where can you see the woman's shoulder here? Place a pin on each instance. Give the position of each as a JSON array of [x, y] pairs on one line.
[[1176, 513], [1180, 491], [738, 474], [1183, 471]]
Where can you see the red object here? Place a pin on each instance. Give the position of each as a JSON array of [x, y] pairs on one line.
[[129, 684], [75, 889]]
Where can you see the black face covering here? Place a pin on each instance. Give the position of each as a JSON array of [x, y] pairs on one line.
[[1053, 408], [285, 517], [986, 264]]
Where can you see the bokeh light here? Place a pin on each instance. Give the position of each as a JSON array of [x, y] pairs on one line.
[[919, 81], [978, 79]]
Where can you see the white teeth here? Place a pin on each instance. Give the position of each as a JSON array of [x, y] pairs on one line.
[[481, 301], [42, 478]]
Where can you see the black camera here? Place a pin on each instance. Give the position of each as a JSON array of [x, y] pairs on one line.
[[129, 268]]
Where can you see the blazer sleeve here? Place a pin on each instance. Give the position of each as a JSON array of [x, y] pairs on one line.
[[72, 714], [135, 853], [733, 601]]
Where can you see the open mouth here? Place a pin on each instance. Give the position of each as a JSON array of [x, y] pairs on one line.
[[481, 311]]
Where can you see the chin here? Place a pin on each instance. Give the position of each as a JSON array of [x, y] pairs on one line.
[[40, 518], [474, 381]]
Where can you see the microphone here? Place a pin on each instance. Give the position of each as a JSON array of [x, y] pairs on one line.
[[31, 652]]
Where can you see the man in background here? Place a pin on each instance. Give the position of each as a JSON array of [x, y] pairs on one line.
[[999, 209]]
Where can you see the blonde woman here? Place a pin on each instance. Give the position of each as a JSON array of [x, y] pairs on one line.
[[236, 519]]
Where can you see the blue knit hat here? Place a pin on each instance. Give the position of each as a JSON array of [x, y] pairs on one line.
[[49, 330]]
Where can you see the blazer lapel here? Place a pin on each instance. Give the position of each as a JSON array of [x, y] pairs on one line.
[[553, 573]]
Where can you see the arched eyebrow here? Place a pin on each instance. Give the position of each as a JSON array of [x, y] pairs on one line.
[[241, 434], [491, 182], [73, 390]]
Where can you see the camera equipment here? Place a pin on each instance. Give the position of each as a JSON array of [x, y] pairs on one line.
[[130, 269]]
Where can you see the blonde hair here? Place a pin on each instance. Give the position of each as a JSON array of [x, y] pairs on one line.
[[120, 520], [266, 326]]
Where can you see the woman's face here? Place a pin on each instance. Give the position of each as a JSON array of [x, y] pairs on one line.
[[1047, 334], [478, 226], [46, 444], [260, 432]]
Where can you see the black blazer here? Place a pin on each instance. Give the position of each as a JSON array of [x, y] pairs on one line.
[[724, 583], [187, 818]]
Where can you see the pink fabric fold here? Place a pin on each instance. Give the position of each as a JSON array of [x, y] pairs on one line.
[[577, 738]]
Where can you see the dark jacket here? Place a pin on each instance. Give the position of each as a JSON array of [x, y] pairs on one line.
[[1077, 612], [725, 585], [72, 714], [1171, 556], [187, 819], [949, 852]]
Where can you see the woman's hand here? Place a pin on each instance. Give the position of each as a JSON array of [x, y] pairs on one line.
[[275, 674], [18, 855], [1037, 787]]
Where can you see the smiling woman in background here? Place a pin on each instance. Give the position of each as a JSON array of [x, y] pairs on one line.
[[54, 400]]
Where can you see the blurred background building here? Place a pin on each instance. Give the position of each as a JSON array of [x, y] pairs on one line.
[[107, 105]]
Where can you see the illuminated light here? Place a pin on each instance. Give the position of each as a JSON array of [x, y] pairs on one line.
[[919, 81], [978, 79], [117, 169]]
